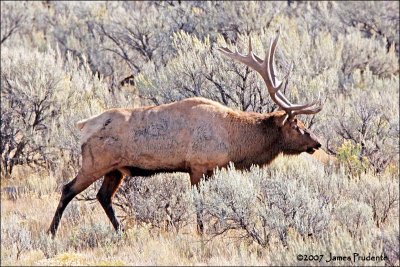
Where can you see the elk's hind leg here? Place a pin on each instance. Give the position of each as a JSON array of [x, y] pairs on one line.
[[69, 191], [112, 181]]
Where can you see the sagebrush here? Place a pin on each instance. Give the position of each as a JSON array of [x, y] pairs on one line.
[[65, 61]]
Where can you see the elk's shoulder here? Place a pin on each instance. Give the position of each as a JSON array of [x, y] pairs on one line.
[[193, 106], [196, 101]]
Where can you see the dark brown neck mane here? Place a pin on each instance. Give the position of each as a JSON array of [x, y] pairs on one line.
[[264, 140]]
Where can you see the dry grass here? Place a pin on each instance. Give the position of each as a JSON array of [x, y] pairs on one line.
[[140, 245], [86, 237]]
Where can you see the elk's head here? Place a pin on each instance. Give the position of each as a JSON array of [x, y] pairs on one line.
[[296, 138]]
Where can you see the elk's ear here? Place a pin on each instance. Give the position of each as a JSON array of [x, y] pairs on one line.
[[293, 121], [283, 120]]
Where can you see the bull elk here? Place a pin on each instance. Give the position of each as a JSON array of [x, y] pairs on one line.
[[194, 135]]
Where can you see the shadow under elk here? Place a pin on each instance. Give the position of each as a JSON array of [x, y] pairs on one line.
[[195, 135]]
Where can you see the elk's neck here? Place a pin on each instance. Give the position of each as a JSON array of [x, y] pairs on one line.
[[257, 140]]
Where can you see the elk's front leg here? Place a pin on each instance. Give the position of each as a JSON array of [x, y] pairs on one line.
[[195, 178]]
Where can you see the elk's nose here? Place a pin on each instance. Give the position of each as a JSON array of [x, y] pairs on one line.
[[318, 145]]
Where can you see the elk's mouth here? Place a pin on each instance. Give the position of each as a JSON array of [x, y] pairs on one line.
[[311, 150]]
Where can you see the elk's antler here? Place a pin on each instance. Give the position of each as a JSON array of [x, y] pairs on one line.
[[266, 69]]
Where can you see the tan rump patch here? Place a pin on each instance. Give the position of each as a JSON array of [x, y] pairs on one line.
[[90, 126], [81, 123]]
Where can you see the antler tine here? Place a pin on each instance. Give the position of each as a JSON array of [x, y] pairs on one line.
[[306, 111], [252, 55], [309, 111], [270, 59]]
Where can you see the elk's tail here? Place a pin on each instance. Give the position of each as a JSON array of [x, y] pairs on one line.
[[90, 126], [81, 124], [94, 120]]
